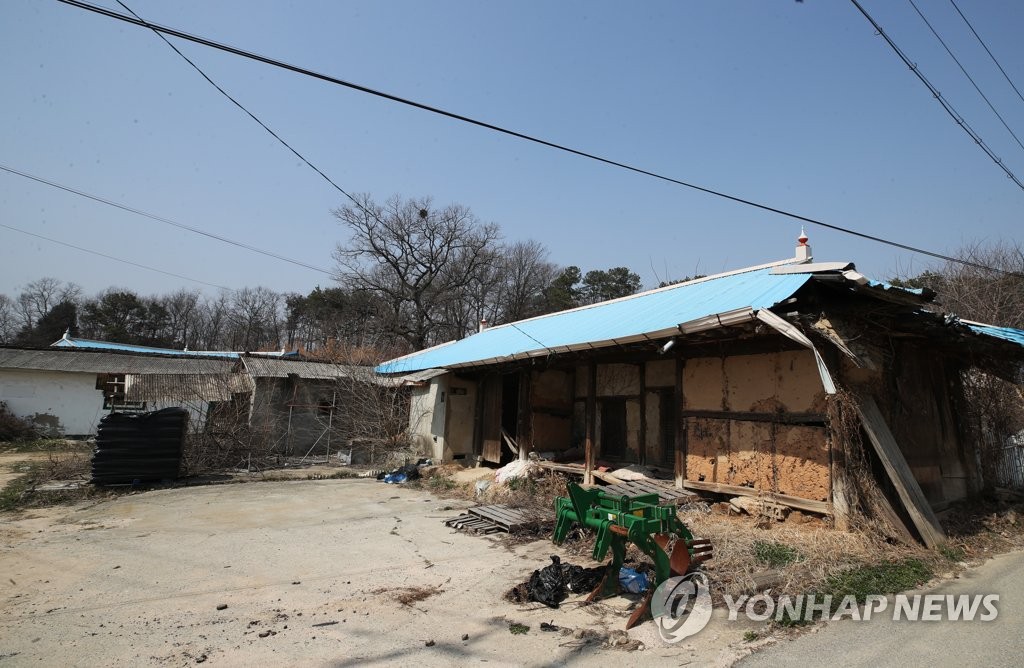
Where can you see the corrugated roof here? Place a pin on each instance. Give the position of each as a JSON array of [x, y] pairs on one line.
[[264, 367], [422, 376], [92, 344], [89, 361], [186, 387], [652, 314], [1004, 333]]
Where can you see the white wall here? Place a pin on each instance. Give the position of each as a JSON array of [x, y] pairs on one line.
[[459, 412], [427, 416], [68, 402]]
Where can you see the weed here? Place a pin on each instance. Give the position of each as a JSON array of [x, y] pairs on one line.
[[775, 554], [46, 445], [887, 578], [750, 636], [517, 629], [954, 553], [14, 494], [440, 483], [523, 483]]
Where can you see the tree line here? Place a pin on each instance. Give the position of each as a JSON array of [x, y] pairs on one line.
[[409, 275]]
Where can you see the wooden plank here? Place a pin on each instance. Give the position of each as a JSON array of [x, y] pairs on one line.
[[665, 493], [510, 443], [820, 507], [749, 416], [578, 469], [607, 477], [497, 516], [909, 491]]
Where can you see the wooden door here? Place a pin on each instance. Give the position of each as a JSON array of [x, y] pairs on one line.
[[491, 419]]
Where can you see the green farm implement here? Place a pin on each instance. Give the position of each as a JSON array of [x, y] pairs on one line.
[[620, 520]]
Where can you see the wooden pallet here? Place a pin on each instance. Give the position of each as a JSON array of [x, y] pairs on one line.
[[666, 493], [491, 519]]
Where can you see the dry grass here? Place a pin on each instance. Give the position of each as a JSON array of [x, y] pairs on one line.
[[63, 462], [822, 552], [410, 595], [800, 557]]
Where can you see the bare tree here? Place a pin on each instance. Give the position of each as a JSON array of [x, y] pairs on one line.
[[414, 257], [981, 294], [183, 314], [255, 319], [213, 322], [8, 319], [43, 294], [526, 273]]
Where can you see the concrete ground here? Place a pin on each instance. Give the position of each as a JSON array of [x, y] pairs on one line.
[[310, 572], [884, 642]]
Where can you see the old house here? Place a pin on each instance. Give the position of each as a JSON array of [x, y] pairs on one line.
[[301, 407], [268, 402], [65, 392], [740, 383]]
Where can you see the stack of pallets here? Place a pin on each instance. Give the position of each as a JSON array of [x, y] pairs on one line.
[[492, 519]]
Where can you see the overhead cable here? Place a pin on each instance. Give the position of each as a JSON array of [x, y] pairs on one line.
[[161, 219], [543, 142], [966, 74], [953, 113], [116, 259]]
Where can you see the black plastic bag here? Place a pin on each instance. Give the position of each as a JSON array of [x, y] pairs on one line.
[[579, 580], [547, 585]]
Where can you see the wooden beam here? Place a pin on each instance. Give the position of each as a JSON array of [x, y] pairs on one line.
[[642, 441], [524, 420], [680, 422], [902, 477], [820, 507], [588, 475], [750, 416]]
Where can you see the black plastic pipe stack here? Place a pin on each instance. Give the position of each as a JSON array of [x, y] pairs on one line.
[[139, 447]]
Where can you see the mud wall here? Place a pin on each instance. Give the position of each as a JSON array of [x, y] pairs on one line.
[[749, 443], [551, 410]]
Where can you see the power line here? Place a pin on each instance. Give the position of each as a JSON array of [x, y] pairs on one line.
[[969, 78], [116, 259], [954, 114], [543, 142], [250, 114], [152, 216], [982, 42]]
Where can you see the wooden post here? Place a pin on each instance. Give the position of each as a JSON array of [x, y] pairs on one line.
[[680, 422], [478, 421], [642, 441], [902, 477], [524, 429], [840, 492], [588, 473]]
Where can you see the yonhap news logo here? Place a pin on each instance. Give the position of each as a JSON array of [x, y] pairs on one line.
[[682, 607]]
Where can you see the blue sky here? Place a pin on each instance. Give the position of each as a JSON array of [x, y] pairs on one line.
[[797, 105]]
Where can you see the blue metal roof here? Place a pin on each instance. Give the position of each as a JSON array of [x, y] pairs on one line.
[[92, 344], [656, 312], [1005, 333]]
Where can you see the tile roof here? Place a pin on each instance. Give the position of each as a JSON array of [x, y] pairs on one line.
[[94, 361]]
